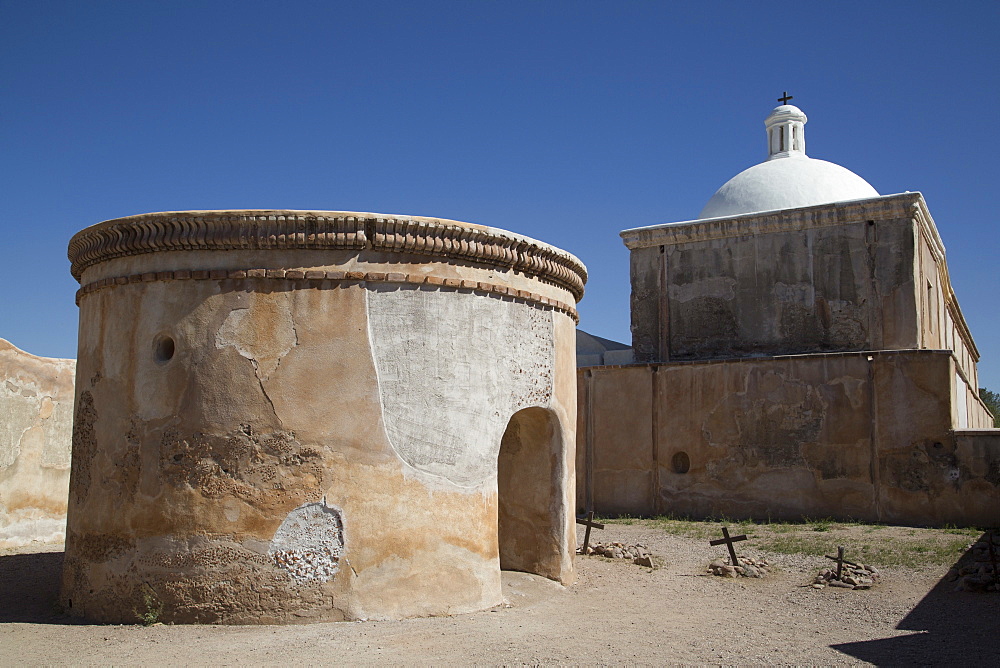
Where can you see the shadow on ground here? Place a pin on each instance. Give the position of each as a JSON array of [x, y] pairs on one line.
[[29, 588], [956, 628]]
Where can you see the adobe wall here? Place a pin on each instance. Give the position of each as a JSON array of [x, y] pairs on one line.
[[296, 416], [36, 426], [835, 277], [865, 436]]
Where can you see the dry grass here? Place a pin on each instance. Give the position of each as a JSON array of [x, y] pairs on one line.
[[881, 545]]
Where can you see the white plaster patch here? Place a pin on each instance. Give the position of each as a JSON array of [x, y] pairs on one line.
[[309, 542], [23, 529], [452, 368], [56, 453], [263, 334], [18, 413]]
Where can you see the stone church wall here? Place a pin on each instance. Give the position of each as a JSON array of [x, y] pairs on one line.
[[865, 436], [835, 277], [36, 426]]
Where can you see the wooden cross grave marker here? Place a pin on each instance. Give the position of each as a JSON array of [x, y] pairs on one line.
[[589, 522], [785, 97], [729, 540], [841, 561]]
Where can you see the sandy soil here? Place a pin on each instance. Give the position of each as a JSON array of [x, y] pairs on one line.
[[617, 613]]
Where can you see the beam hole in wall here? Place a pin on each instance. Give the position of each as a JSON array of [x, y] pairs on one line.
[[680, 462], [163, 349]]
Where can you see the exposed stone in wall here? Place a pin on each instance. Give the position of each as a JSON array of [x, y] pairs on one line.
[[202, 579], [470, 361], [924, 465], [256, 468], [309, 542], [84, 443]]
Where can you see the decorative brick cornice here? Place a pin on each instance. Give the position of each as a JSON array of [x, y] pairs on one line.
[[312, 278], [323, 230], [481, 245]]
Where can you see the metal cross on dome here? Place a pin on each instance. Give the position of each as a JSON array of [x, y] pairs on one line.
[[785, 97]]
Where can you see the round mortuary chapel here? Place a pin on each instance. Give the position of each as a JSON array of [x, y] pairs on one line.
[[287, 416]]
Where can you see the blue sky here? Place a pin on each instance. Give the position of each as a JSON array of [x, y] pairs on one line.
[[565, 121]]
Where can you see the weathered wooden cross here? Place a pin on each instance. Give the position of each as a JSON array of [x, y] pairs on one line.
[[589, 522], [841, 561], [729, 543], [785, 97]]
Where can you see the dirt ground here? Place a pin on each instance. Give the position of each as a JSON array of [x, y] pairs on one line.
[[616, 613]]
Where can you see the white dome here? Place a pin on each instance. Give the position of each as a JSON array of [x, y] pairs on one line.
[[789, 178], [787, 183]]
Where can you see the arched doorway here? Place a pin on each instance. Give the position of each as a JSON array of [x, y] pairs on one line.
[[528, 487]]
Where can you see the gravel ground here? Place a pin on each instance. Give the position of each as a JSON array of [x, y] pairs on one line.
[[616, 613]]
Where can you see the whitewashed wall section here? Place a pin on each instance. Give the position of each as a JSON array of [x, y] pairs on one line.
[[36, 426], [452, 368]]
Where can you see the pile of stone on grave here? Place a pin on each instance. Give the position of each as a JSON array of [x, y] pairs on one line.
[[748, 568], [979, 573], [638, 554], [853, 576]]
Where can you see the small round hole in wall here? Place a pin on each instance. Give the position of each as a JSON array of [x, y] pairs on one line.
[[681, 462], [163, 349]]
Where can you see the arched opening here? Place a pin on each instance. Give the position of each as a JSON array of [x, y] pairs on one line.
[[528, 487]]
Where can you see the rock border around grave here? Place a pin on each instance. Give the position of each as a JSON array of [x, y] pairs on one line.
[[749, 567], [860, 576], [981, 574], [638, 554]]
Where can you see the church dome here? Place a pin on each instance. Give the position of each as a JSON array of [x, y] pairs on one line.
[[788, 178]]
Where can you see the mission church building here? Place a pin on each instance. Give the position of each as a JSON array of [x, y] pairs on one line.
[[797, 351]]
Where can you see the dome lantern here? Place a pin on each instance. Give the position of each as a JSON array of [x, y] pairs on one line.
[[786, 135]]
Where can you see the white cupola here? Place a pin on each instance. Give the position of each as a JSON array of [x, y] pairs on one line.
[[786, 135], [788, 179]]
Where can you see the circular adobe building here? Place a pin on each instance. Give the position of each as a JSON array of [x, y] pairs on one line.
[[288, 416]]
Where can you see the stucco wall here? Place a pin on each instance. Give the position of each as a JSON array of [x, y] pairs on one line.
[[829, 278], [36, 425], [855, 435], [262, 444]]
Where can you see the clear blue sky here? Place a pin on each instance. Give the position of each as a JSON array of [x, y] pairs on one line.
[[565, 121]]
